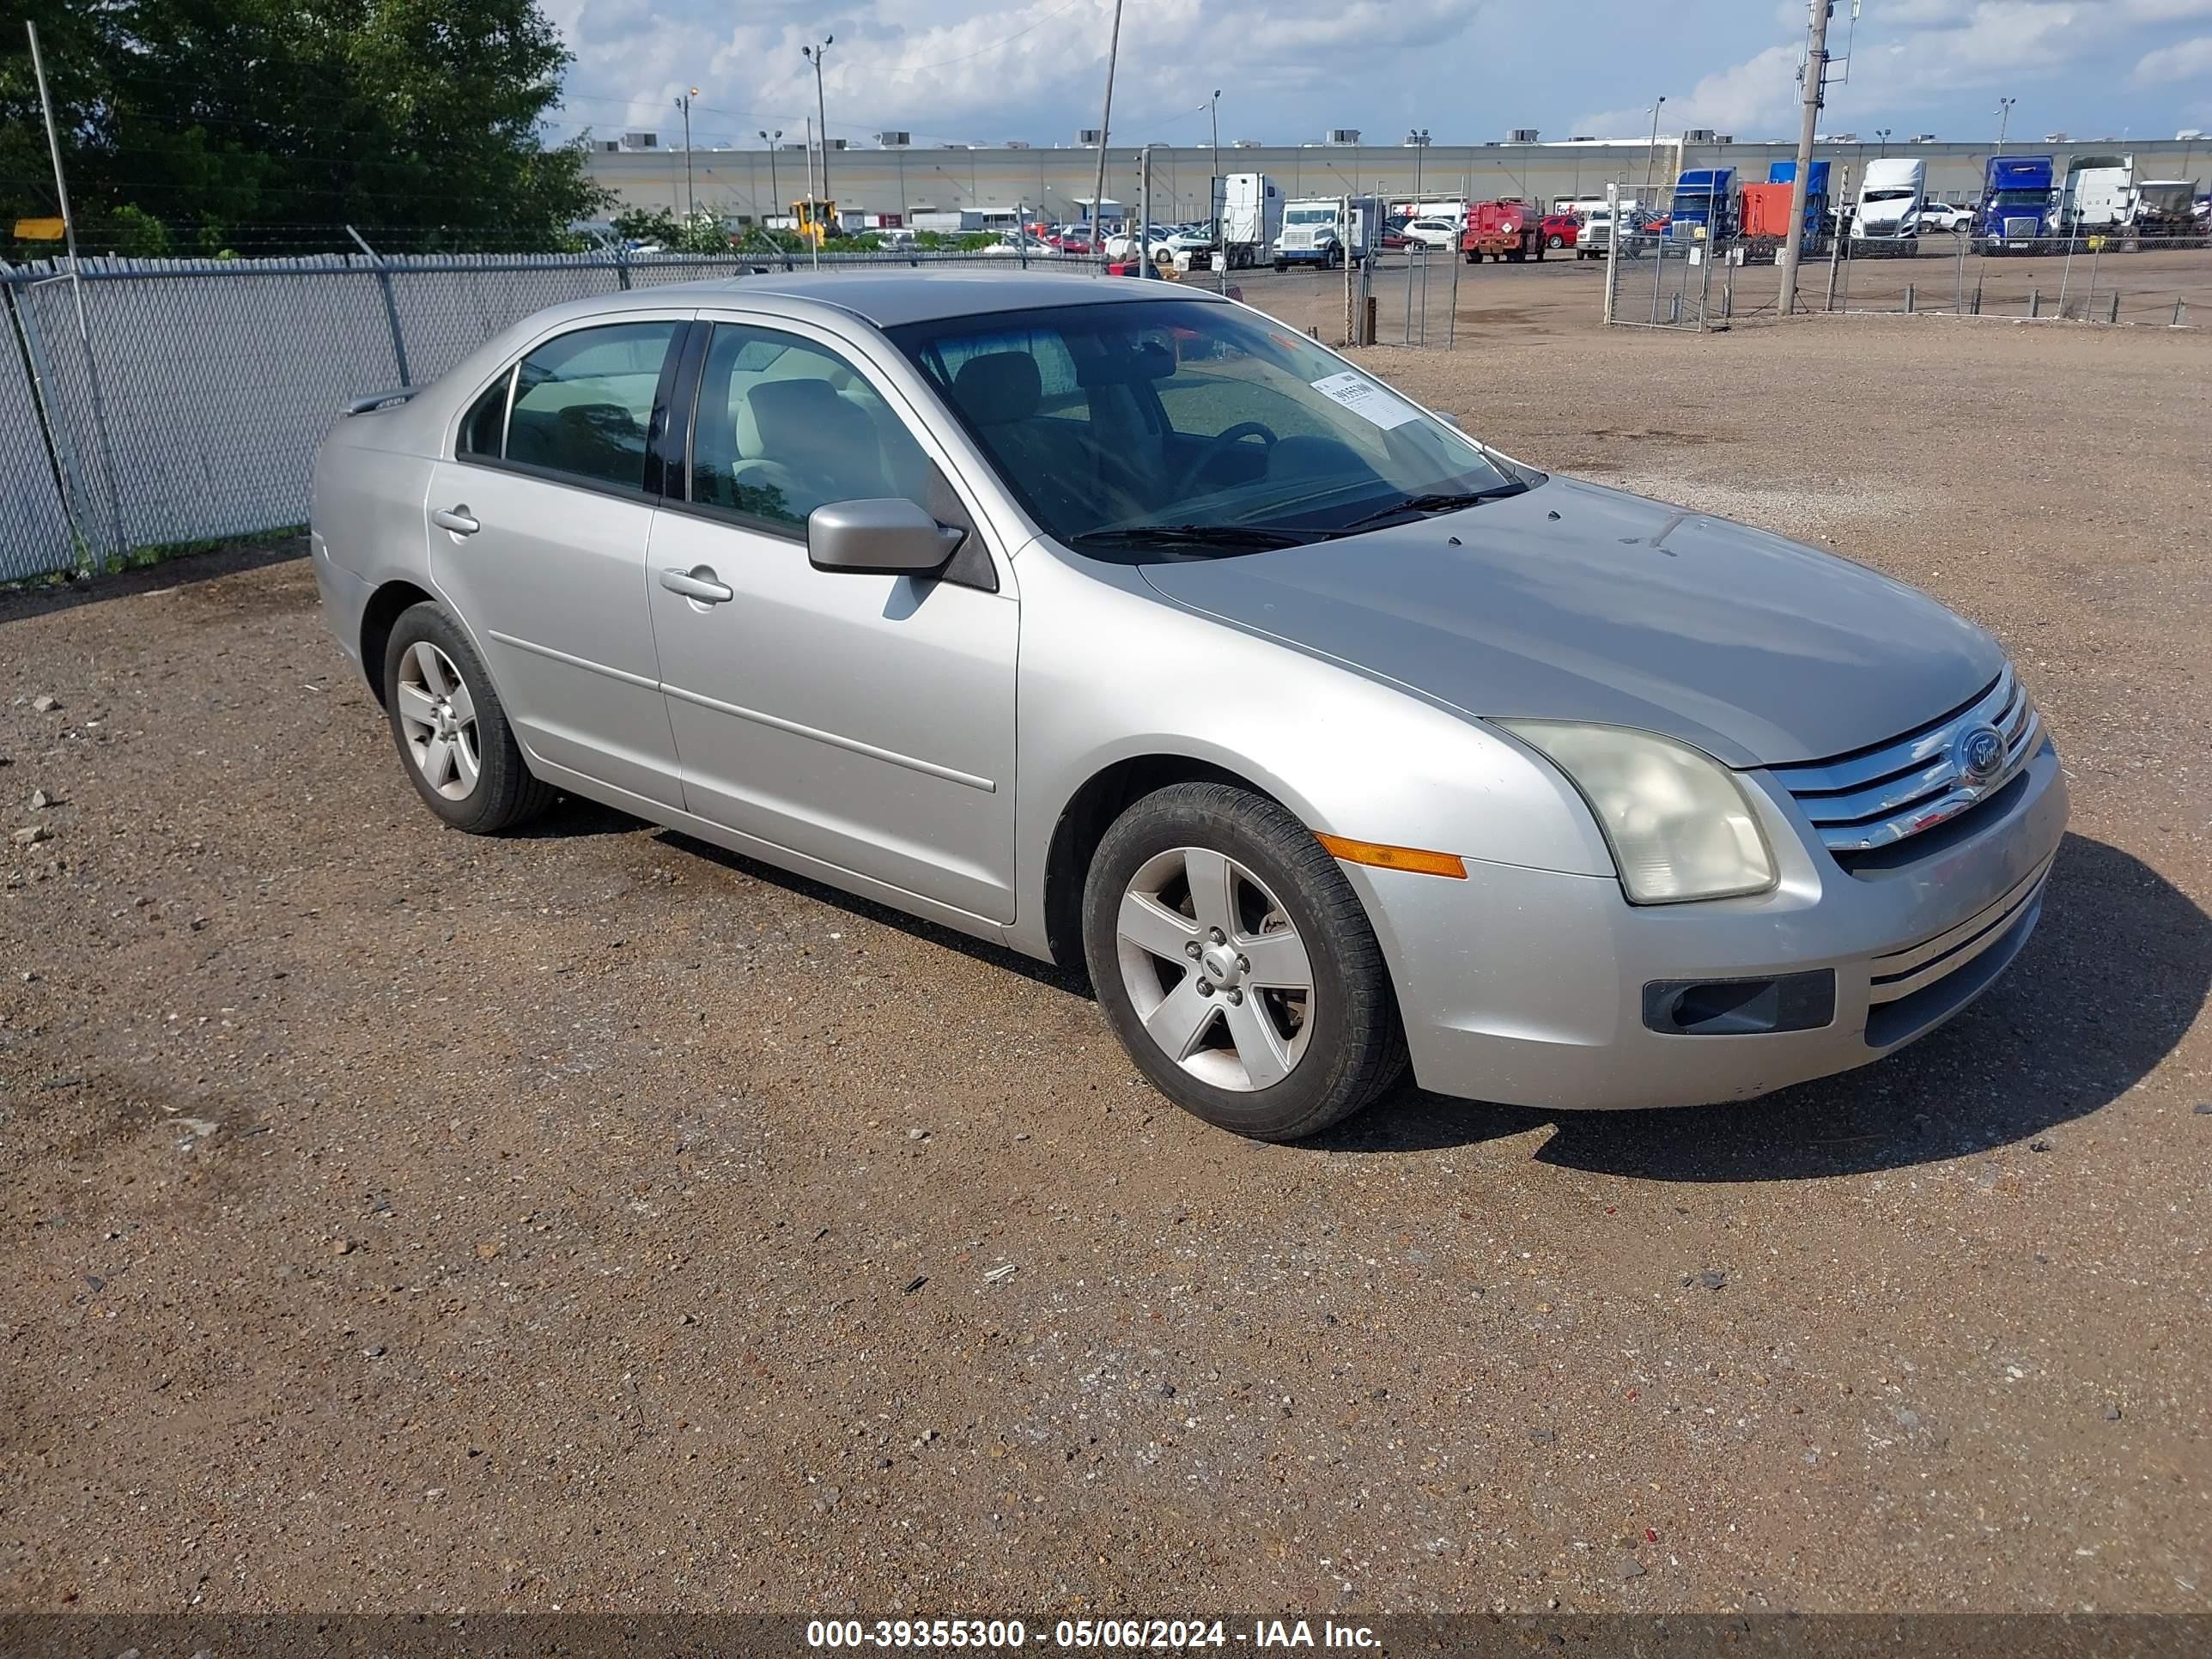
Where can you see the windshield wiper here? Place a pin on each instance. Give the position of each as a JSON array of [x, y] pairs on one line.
[[1435, 502], [1239, 536]]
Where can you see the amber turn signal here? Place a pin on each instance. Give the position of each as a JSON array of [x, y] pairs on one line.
[[1395, 858]]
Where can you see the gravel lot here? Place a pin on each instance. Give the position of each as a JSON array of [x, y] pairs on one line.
[[593, 1219]]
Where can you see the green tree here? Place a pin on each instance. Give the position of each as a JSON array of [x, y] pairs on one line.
[[267, 126]]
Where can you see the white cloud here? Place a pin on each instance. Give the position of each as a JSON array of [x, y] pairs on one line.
[[985, 70], [2184, 60]]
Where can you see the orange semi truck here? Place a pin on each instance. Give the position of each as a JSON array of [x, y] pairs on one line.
[[1508, 228]]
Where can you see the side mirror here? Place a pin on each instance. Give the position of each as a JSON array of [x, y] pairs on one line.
[[1451, 420], [892, 534]]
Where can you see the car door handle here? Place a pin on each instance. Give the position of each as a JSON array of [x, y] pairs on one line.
[[455, 519], [697, 583]]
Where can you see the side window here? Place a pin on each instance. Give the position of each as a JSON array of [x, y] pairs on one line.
[[483, 430], [784, 426], [582, 402]]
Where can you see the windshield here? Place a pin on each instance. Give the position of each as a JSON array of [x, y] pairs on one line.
[[1128, 419], [1320, 216], [2022, 197], [1888, 195]]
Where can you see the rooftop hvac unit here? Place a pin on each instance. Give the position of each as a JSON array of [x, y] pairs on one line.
[[606, 143], [1846, 138], [1017, 143], [1725, 138], [895, 140], [1089, 137], [1341, 135], [640, 141], [1698, 136], [1583, 138], [1924, 137], [2054, 138], [1244, 144], [834, 143], [1521, 135], [800, 148]]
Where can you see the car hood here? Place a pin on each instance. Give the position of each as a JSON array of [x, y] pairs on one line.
[[1576, 602]]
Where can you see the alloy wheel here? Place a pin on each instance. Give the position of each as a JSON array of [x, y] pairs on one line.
[[438, 721], [1215, 969]]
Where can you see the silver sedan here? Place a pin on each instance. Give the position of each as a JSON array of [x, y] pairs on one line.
[[1124, 626]]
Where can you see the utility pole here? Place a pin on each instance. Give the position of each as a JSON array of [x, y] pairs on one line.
[[1418, 139], [822, 118], [1882, 134], [1814, 74], [1105, 132], [1651, 155], [774, 194], [77, 293], [690, 201], [2004, 120]]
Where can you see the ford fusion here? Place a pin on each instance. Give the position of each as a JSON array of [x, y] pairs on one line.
[[1123, 625]]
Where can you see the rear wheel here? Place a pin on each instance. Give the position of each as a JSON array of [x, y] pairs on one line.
[[450, 729], [1236, 965], [1555, 240]]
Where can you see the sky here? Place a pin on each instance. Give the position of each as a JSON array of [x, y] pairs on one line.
[[983, 71]]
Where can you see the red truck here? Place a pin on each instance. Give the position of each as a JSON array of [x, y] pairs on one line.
[[1508, 228]]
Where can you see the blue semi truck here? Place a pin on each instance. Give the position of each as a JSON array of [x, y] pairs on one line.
[[1816, 190], [1704, 196], [2015, 208]]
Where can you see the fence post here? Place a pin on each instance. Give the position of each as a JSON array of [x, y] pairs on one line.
[[621, 264], [1451, 317], [390, 310], [2180, 310], [1909, 306], [1611, 246], [69, 483], [2035, 303], [2115, 305]]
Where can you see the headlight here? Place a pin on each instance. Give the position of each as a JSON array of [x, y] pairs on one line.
[[1678, 822]]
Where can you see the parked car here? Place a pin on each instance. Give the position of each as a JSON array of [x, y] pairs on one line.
[[1560, 229], [1946, 216], [1321, 735], [1431, 233], [1015, 245], [1393, 233]]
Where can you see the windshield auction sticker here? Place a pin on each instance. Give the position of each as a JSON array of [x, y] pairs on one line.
[[1366, 399]]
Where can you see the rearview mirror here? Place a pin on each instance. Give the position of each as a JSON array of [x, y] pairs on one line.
[[892, 534]]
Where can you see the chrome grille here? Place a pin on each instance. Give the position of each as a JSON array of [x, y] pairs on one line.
[[1880, 796]]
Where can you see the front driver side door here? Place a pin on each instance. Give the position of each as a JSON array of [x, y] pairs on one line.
[[863, 719]]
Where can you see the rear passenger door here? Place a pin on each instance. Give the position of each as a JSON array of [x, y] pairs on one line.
[[865, 719], [539, 525]]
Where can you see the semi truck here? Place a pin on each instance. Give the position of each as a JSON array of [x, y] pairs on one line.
[[1889, 200], [2166, 207], [1251, 217], [2015, 206], [1704, 197], [2098, 195], [1314, 232], [1816, 197]]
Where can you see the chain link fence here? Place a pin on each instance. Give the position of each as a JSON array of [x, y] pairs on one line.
[[1680, 261], [189, 406]]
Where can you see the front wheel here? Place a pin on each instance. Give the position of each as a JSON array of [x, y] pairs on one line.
[[1236, 965], [1555, 241]]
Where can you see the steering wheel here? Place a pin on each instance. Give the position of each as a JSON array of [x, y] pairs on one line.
[[1220, 443]]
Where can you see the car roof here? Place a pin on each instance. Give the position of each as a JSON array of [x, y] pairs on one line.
[[889, 298]]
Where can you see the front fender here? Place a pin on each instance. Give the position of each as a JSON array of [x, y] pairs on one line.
[[1110, 672]]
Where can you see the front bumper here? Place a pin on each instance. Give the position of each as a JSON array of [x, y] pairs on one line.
[[1527, 986]]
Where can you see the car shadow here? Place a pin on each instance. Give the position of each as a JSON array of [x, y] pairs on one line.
[[2117, 972], [40, 597], [1073, 981]]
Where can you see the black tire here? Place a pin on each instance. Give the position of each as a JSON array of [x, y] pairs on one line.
[[1555, 241], [505, 793], [1356, 1046]]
